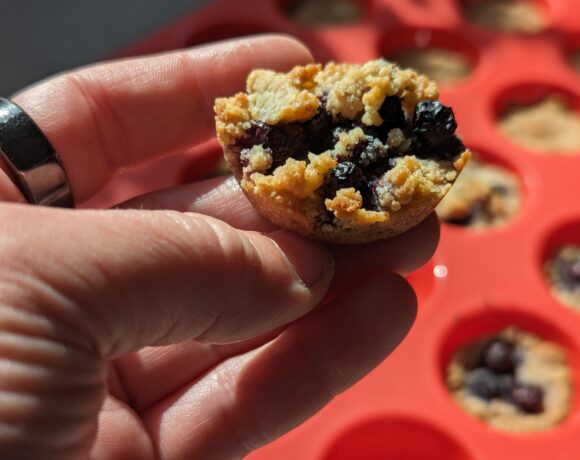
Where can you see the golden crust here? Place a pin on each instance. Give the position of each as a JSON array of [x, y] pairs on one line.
[[291, 195]]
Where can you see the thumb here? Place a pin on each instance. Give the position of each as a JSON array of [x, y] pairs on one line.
[[120, 280]]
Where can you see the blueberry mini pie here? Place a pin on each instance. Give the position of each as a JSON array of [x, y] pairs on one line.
[[342, 153], [513, 380]]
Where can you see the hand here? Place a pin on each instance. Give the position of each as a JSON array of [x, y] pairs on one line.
[[182, 325]]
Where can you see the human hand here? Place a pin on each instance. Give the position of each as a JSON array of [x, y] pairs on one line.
[[182, 325]]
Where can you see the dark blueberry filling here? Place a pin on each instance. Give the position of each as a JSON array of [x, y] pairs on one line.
[[346, 175], [431, 131], [529, 398], [392, 114], [286, 141], [433, 122], [494, 378], [483, 383], [320, 131], [500, 356], [369, 153]]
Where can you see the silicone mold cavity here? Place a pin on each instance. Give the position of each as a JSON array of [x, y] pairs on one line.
[[527, 94], [541, 9], [491, 157], [396, 438], [487, 320], [404, 40]]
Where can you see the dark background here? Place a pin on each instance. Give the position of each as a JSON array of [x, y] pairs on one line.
[[41, 37]]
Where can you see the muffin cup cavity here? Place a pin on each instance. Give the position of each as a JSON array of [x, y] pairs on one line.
[[397, 438], [508, 16], [534, 393], [540, 117], [488, 195], [442, 55], [488, 320]]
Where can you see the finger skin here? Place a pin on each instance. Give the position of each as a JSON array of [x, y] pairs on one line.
[[113, 116], [252, 399], [153, 277], [117, 417], [8, 189], [223, 199]]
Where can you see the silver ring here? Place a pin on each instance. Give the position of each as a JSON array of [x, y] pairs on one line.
[[33, 162]]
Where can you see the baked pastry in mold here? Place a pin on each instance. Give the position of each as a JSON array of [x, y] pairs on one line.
[[513, 381], [342, 153]]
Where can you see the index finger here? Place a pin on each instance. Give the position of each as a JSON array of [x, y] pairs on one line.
[[113, 116]]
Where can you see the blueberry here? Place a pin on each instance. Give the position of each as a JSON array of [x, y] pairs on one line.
[[292, 140], [506, 384], [369, 151], [419, 147], [256, 135], [448, 149], [500, 356], [286, 141], [319, 131], [434, 122], [391, 112], [345, 175], [371, 200], [483, 383], [529, 398]]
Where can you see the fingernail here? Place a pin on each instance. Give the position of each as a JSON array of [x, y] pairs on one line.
[[313, 262]]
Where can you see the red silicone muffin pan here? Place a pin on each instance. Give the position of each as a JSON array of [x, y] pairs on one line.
[[478, 281]]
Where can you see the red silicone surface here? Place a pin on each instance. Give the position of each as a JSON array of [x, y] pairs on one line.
[[477, 282]]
